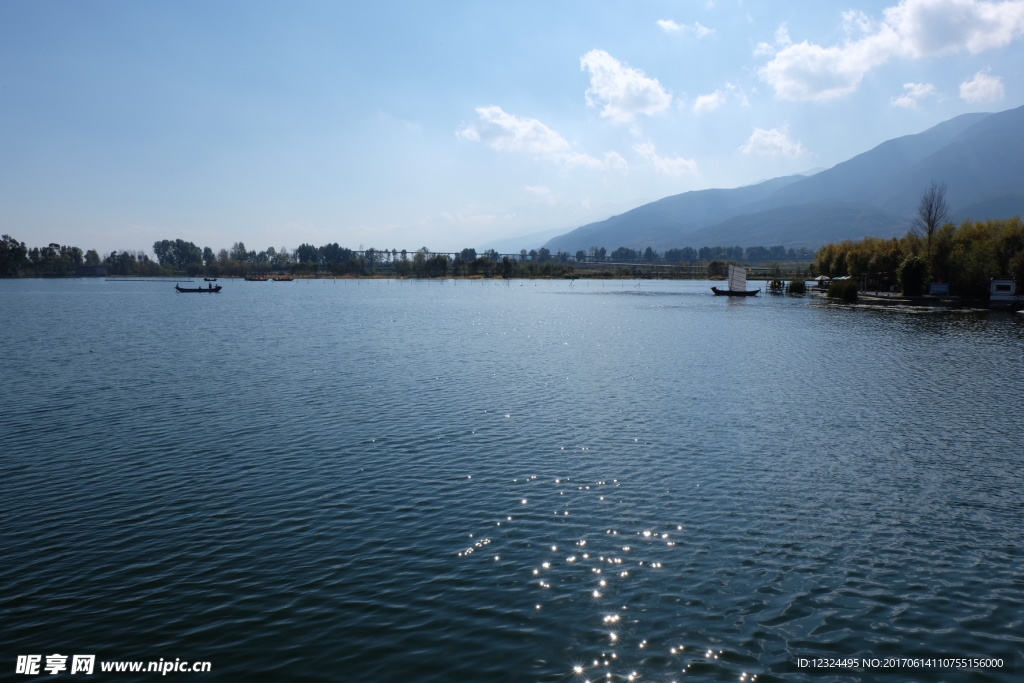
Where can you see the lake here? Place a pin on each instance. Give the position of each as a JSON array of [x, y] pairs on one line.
[[385, 480]]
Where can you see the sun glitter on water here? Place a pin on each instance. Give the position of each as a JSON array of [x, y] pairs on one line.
[[655, 548]]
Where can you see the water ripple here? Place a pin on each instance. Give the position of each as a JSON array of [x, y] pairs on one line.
[[557, 482]]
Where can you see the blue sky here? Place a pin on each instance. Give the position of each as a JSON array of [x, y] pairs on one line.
[[452, 124]]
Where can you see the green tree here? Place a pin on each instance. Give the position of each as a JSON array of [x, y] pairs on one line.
[[844, 290], [913, 275], [437, 265], [482, 266], [757, 254], [688, 254], [282, 259], [402, 266], [13, 257], [975, 259], [123, 263], [1017, 268], [238, 252], [943, 243], [308, 254], [164, 252], [419, 262], [718, 268], [177, 254]]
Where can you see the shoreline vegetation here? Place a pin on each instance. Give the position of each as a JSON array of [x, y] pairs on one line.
[[178, 258], [963, 258]]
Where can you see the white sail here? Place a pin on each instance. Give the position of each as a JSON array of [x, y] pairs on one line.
[[737, 279]]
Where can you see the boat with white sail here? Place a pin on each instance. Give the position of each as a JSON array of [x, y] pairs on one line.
[[737, 284]]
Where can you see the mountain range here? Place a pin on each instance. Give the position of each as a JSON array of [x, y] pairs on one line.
[[979, 157]]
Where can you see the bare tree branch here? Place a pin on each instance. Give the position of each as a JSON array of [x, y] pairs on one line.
[[932, 212]]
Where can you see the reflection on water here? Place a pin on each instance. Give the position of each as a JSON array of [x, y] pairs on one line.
[[600, 584], [540, 481]]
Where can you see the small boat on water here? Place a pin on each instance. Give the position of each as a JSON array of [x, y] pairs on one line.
[[209, 289], [209, 279], [283, 278], [737, 284]]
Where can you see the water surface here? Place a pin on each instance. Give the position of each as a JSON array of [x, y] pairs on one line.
[[525, 481]]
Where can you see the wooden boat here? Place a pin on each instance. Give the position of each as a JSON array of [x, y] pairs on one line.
[[210, 289], [729, 292], [737, 284]]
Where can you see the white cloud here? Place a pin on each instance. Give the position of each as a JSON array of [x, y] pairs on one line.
[[856, 23], [506, 132], [712, 101], [912, 29], [709, 102], [808, 72], [697, 28], [739, 94], [938, 27], [982, 88], [773, 142], [510, 133], [701, 30], [666, 165], [782, 38], [622, 92], [913, 93], [542, 194], [612, 161]]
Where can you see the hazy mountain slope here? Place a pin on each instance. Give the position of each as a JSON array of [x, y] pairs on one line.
[[512, 245], [983, 164], [868, 177], [980, 158], [807, 225], [997, 206], [667, 220]]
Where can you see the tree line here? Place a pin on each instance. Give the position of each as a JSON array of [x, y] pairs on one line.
[[965, 256], [56, 260], [174, 257]]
